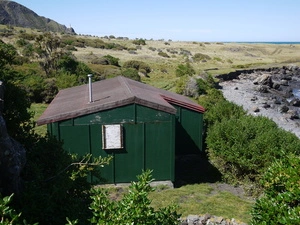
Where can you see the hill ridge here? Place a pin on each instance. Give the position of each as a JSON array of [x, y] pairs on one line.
[[15, 14]]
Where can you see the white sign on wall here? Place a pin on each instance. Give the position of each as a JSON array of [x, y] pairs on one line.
[[112, 136]]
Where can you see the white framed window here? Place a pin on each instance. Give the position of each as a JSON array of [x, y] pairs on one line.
[[112, 136]]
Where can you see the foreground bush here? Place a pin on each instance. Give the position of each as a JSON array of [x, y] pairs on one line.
[[9, 216], [280, 203], [243, 148], [134, 208]]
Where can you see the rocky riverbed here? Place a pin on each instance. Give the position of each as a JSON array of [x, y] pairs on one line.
[[274, 93]]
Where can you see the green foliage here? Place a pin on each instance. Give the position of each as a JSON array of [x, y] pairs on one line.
[[163, 54], [134, 208], [112, 60], [205, 84], [199, 57], [218, 108], [66, 80], [181, 84], [48, 50], [138, 65], [184, 69], [8, 54], [242, 148], [280, 203], [139, 42], [67, 63], [131, 73], [9, 216]]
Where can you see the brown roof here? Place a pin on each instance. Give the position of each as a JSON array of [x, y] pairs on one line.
[[111, 93]]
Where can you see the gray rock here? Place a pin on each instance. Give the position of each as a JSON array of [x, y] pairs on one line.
[[295, 102], [12, 157], [284, 109], [265, 79]]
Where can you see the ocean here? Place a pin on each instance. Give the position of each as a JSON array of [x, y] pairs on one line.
[[266, 42]]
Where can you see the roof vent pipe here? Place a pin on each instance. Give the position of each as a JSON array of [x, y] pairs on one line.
[[90, 88]]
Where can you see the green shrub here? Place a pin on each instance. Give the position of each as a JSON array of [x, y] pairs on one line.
[[242, 148], [139, 42], [163, 54], [133, 208], [66, 80], [112, 60], [180, 85], [8, 215], [199, 57], [131, 73], [220, 109], [184, 69], [205, 84], [280, 203], [137, 65], [21, 42]]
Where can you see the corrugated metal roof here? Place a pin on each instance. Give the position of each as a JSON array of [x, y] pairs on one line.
[[111, 93]]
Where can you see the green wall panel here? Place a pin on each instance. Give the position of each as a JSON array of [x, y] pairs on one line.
[[159, 151], [145, 114], [189, 128], [107, 172], [124, 114], [75, 139], [129, 162]]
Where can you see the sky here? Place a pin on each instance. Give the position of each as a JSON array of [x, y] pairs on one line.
[[185, 20]]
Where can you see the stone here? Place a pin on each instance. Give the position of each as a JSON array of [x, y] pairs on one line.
[[284, 109], [12, 161], [262, 89], [192, 219], [293, 114], [295, 102], [265, 79], [254, 98], [12, 157]]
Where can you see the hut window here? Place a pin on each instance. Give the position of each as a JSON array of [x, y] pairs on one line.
[[112, 136]]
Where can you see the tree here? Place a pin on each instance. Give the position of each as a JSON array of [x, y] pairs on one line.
[[8, 54], [16, 100], [48, 51]]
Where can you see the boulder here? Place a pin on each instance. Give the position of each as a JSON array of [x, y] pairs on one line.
[[265, 79], [12, 157], [12, 161], [295, 102], [283, 109]]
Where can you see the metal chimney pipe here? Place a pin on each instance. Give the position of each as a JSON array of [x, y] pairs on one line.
[[90, 88]]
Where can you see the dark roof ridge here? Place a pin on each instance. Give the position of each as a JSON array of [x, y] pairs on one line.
[[124, 81]]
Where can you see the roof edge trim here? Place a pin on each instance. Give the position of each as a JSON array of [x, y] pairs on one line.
[[193, 107]]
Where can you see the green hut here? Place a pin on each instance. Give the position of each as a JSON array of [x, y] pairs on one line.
[[143, 127]]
